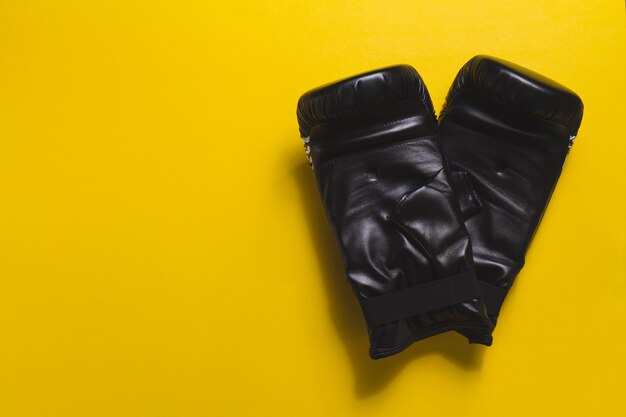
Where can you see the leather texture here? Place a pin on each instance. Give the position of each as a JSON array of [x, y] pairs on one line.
[[373, 143], [505, 131]]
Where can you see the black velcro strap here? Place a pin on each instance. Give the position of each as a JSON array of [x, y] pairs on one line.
[[492, 296], [420, 299]]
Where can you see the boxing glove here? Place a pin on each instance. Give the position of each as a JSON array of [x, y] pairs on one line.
[[505, 132], [373, 145]]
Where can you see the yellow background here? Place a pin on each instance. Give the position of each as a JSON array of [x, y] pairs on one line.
[[163, 250]]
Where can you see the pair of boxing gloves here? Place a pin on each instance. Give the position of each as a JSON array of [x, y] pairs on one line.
[[434, 217]]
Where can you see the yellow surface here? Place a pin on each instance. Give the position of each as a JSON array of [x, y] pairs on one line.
[[163, 250]]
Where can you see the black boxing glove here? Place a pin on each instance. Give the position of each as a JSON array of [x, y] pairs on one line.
[[372, 142], [505, 132]]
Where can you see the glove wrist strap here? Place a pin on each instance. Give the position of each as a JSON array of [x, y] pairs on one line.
[[420, 299]]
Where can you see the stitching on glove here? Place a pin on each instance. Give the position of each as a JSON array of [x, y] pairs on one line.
[[372, 151]]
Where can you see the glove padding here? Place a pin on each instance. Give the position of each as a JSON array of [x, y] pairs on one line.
[[505, 132]]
